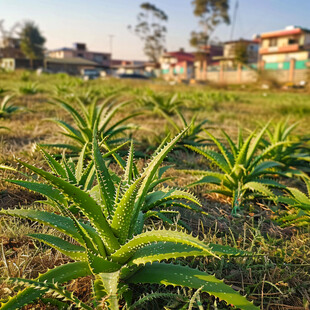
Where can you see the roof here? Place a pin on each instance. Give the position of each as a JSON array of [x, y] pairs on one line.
[[256, 41], [62, 49], [72, 61], [285, 32], [181, 56]]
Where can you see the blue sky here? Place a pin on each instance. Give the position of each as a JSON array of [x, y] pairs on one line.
[[66, 21]]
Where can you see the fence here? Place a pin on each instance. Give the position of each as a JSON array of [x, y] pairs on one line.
[[293, 71]]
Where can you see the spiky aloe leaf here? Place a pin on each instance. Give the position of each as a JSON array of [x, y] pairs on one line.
[[122, 217], [215, 157], [99, 264], [150, 171], [170, 236], [258, 187], [61, 223], [54, 164], [86, 204], [73, 251], [61, 274], [208, 180], [164, 251], [106, 185], [227, 155], [44, 189], [169, 274], [54, 288]]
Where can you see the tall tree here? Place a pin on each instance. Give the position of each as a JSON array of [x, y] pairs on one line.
[[210, 14], [151, 30], [31, 41]]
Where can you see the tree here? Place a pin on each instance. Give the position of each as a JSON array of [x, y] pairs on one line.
[[241, 53], [31, 41], [211, 13], [151, 30]]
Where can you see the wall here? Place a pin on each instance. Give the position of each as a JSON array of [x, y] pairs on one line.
[[293, 71]]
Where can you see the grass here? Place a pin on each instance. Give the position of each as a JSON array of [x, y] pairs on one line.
[[278, 278]]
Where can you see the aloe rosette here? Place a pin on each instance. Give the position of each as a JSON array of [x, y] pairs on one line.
[[111, 244]]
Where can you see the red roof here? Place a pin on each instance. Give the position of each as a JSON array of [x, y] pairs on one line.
[[281, 33], [181, 56]]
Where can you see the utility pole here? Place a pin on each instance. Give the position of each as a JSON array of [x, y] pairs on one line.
[[234, 20], [111, 36]]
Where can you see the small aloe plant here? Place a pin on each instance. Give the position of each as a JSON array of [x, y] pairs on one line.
[[243, 168], [6, 108], [112, 245], [298, 205], [294, 154], [86, 119]]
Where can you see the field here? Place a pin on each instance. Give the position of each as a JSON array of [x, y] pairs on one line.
[[263, 214]]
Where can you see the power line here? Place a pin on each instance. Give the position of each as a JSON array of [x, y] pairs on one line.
[[234, 20]]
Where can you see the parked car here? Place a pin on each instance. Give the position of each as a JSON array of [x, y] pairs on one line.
[[133, 76]]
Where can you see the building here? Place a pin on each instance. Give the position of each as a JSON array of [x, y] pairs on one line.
[[249, 48], [10, 48], [177, 65], [80, 50], [292, 43]]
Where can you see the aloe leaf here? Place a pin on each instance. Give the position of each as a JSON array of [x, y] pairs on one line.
[[215, 157], [55, 289], [258, 187], [228, 156], [86, 204], [169, 274], [44, 189], [99, 264], [127, 250], [164, 251], [207, 180], [73, 251], [61, 223], [61, 274], [73, 112], [106, 185], [54, 164], [123, 213], [232, 145]]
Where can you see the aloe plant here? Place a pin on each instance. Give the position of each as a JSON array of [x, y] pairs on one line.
[[193, 135], [111, 244], [6, 106], [298, 204], [294, 154], [164, 102], [86, 119], [28, 89], [243, 167]]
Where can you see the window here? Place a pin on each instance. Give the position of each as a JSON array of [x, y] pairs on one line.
[[292, 41], [273, 42]]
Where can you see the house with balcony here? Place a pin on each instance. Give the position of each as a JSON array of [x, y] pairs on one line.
[[278, 48], [249, 48], [80, 50], [177, 65]]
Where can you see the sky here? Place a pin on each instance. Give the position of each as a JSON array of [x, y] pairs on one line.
[[93, 22]]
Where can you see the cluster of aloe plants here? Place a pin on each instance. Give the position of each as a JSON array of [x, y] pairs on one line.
[[7, 107], [111, 242]]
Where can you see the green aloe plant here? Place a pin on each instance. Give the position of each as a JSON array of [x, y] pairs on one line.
[[6, 106], [112, 245], [86, 119], [161, 102], [243, 167], [294, 154], [298, 204], [193, 135]]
